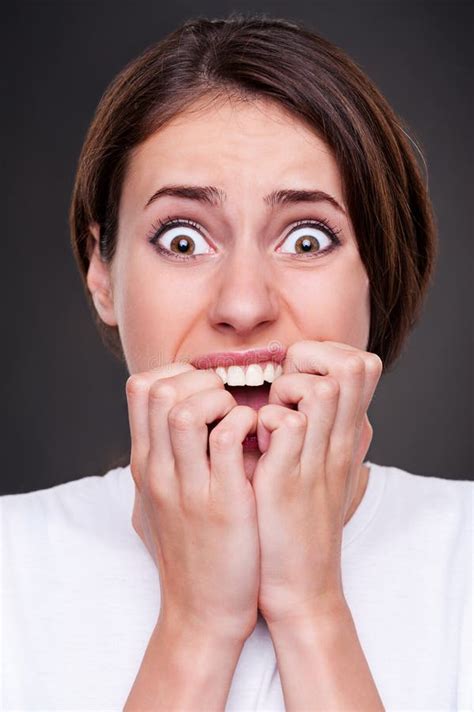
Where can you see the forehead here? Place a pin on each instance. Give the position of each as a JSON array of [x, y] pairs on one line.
[[237, 145]]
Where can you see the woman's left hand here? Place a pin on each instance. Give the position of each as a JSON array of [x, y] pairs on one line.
[[306, 478]]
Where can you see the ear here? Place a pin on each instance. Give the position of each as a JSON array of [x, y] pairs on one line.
[[99, 281]]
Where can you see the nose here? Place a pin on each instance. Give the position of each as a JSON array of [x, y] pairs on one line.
[[244, 297]]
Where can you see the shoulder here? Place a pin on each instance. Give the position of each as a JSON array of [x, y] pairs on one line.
[[88, 501], [435, 491], [428, 504]]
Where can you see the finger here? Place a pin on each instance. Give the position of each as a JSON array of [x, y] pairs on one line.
[[136, 389], [137, 403], [357, 376], [320, 407], [226, 449], [287, 432], [292, 389], [188, 421], [373, 371], [348, 368], [362, 444], [164, 394], [318, 357], [349, 372], [317, 397]]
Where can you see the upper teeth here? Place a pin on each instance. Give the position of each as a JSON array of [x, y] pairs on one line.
[[252, 375]]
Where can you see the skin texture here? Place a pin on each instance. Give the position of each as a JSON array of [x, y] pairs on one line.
[[259, 529], [245, 292]]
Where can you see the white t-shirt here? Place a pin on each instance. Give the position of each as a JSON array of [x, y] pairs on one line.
[[80, 597]]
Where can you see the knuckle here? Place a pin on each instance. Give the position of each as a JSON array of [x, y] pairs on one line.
[[221, 438], [295, 420], [182, 417], [162, 392], [155, 488], [375, 363], [370, 433], [135, 465], [155, 492], [190, 503], [327, 387], [292, 353], [135, 385], [264, 409], [342, 457], [313, 364], [355, 365], [367, 426]]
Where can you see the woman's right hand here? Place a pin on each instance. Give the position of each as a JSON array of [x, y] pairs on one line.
[[195, 512]]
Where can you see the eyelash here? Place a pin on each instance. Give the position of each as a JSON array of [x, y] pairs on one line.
[[160, 226]]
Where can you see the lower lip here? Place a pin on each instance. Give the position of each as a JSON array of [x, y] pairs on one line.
[[250, 443]]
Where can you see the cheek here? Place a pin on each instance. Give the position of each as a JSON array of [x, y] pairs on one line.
[[153, 313], [333, 303], [352, 312]]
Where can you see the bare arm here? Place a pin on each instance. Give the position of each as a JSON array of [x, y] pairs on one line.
[[322, 665], [184, 669], [195, 513]]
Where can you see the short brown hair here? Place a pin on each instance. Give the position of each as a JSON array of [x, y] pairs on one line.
[[257, 56]]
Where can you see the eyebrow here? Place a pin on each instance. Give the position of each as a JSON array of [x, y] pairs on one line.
[[215, 196]]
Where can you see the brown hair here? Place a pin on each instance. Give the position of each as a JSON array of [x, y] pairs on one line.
[[256, 56]]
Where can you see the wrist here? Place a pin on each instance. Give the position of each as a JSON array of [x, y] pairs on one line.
[[184, 667], [195, 628], [327, 615]]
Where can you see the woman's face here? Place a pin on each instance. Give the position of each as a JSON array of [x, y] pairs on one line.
[[255, 276]]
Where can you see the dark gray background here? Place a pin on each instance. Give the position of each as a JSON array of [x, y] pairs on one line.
[[64, 409]]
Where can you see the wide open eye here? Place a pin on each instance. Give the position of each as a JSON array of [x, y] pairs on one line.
[[310, 238], [180, 238]]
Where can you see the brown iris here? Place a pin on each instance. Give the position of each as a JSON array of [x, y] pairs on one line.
[[182, 242], [306, 242]]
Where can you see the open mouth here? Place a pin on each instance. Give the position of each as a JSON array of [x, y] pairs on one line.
[[253, 396]]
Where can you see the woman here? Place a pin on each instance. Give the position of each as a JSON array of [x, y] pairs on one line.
[[256, 240]]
